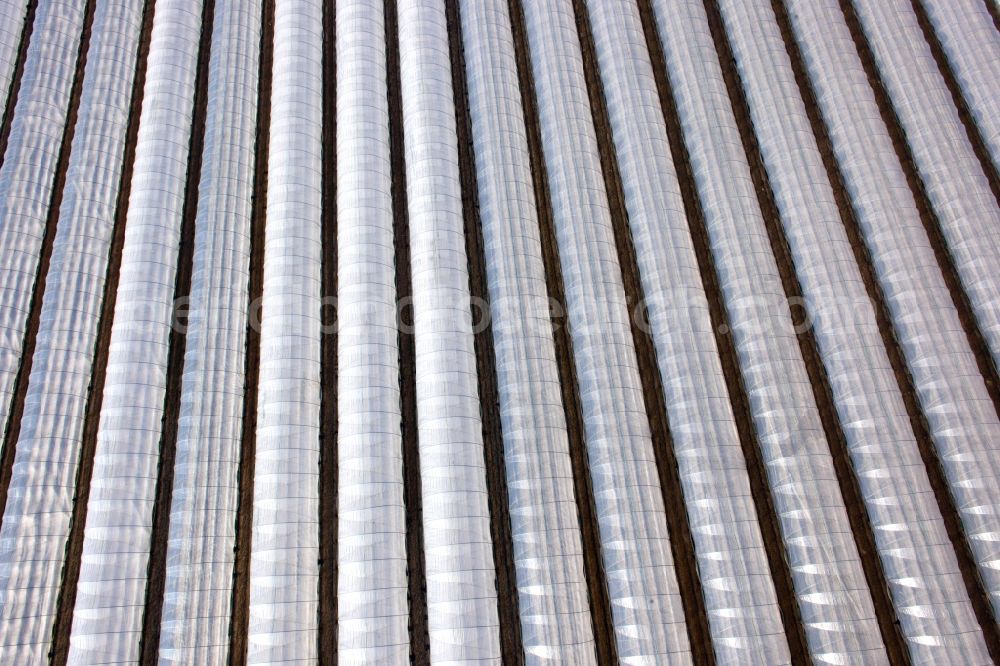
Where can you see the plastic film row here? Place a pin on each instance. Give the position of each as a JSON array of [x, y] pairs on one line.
[[372, 563], [957, 188], [880, 441], [892, 460], [36, 519], [12, 16], [284, 569], [969, 39], [826, 573], [933, 608], [829, 584], [552, 587], [107, 619], [647, 612], [462, 610], [28, 173], [199, 560], [793, 448]]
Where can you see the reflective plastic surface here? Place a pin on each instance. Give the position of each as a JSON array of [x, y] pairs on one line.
[[461, 589], [197, 598], [957, 188], [12, 15], [935, 612], [556, 623], [111, 593], [40, 498], [372, 592], [968, 37], [284, 561], [635, 545]]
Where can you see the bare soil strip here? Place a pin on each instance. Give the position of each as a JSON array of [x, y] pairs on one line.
[[328, 458], [413, 500], [239, 617]]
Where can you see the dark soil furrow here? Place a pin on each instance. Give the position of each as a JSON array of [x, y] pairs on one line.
[[328, 457], [239, 617], [419, 639]]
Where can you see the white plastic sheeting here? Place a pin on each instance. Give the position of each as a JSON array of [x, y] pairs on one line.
[[642, 585], [28, 173], [865, 392], [462, 613], [929, 594], [552, 588], [970, 41], [829, 583], [956, 185], [926, 586], [284, 569], [202, 532], [372, 562], [36, 521], [12, 16], [107, 620], [753, 294]]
